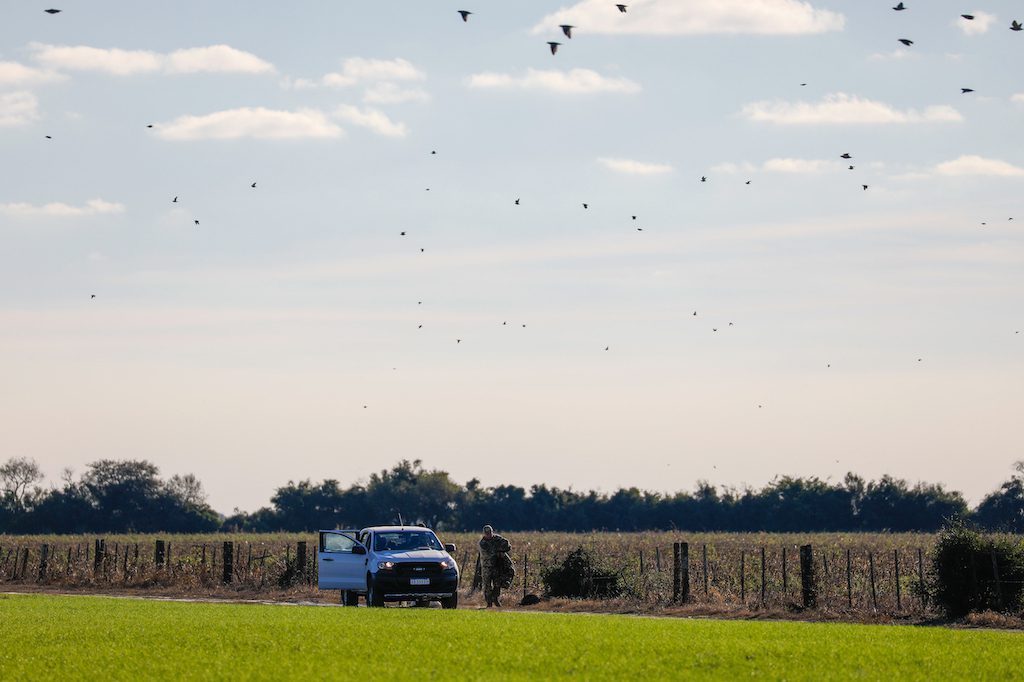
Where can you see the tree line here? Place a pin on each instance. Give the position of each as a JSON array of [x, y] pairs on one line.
[[130, 496]]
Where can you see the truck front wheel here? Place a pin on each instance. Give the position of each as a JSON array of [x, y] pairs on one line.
[[451, 602], [373, 595]]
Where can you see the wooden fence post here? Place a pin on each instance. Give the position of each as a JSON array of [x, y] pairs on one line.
[[871, 574], [676, 572], [101, 550], [300, 559], [24, 564], [657, 559], [896, 577], [808, 584], [159, 554], [229, 556], [44, 555], [168, 561]]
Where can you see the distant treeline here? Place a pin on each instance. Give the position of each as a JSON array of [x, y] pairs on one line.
[[129, 496]]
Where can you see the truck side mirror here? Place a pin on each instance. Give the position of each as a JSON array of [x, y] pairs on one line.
[[449, 547]]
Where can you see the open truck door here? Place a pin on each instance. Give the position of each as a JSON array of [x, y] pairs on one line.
[[341, 561]]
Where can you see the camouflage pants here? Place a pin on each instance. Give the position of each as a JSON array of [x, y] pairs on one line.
[[491, 587]]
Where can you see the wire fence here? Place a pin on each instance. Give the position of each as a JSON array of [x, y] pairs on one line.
[[728, 573]]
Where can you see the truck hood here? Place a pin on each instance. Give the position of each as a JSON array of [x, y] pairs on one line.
[[415, 555]]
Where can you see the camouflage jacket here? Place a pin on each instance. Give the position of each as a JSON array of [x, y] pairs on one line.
[[491, 547]]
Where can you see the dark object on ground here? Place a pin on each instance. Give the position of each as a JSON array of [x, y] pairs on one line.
[[529, 600], [577, 577], [977, 573]]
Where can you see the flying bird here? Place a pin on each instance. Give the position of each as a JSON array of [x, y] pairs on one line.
[[865, 187], [92, 296], [401, 234], [586, 205], [465, 14], [851, 167], [845, 156], [567, 30], [968, 17], [174, 200], [906, 42], [253, 185], [196, 222], [434, 151], [634, 217], [48, 137], [747, 182], [622, 8], [1016, 26], [900, 7], [703, 178], [150, 125], [964, 91], [517, 202], [553, 46], [52, 11]]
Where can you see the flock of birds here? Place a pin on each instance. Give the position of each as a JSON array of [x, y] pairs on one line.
[[567, 31]]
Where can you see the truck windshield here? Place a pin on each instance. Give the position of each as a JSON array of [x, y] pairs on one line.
[[405, 541]]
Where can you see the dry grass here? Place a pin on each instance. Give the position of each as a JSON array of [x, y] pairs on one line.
[[265, 568]]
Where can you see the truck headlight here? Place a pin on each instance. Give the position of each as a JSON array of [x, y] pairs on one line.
[[447, 563], [385, 565]]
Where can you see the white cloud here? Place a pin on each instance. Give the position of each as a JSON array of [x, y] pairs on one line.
[[377, 121], [360, 70], [573, 82], [13, 73], [983, 21], [630, 167], [391, 93], [695, 17], [254, 122], [215, 59], [1018, 98], [977, 165], [60, 210], [212, 59], [18, 108], [840, 108]]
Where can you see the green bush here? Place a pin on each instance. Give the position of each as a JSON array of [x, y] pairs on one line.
[[965, 564], [578, 577]]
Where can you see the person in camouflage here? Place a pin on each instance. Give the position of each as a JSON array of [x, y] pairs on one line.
[[492, 546]]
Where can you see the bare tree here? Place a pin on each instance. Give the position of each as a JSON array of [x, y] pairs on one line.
[[188, 489], [17, 475]]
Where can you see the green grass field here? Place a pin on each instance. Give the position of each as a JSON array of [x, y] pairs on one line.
[[50, 637]]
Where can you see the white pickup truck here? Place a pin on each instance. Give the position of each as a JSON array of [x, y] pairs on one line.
[[388, 563]]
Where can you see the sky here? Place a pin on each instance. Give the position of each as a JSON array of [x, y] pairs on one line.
[[295, 332]]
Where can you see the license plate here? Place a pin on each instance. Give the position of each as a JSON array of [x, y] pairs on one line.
[[419, 581]]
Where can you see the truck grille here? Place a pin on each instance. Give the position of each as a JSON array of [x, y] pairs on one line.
[[418, 568]]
